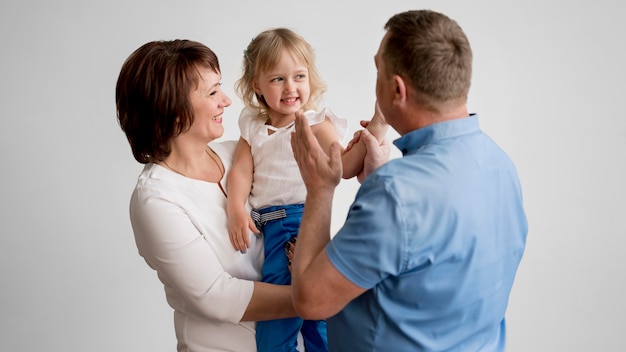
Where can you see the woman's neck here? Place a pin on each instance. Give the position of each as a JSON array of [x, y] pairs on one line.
[[194, 161]]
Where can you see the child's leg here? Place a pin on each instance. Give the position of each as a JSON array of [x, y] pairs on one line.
[[281, 334], [314, 335], [275, 234]]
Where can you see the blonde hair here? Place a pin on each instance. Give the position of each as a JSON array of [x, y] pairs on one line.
[[263, 53]]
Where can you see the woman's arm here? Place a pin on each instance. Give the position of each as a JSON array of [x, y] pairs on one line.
[[239, 185], [269, 302], [190, 269]]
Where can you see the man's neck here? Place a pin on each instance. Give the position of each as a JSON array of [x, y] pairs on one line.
[[420, 118]]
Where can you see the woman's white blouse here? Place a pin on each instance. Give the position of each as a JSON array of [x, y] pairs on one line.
[[277, 179], [180, 230]]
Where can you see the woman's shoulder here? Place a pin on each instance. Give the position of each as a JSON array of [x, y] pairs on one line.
[[224, 146], [154, 183], [225, 150]]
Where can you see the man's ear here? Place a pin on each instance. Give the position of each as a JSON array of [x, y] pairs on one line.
[[400, 89]]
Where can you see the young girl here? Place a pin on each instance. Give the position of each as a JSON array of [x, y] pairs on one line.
[[279, 79]]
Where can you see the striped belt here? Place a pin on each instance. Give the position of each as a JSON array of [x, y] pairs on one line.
[[262, 218]]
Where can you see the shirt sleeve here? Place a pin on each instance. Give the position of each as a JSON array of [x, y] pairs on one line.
[[340, 123], [194, 279], [245, 123], [371, 245]]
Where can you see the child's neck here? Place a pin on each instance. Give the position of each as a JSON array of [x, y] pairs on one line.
[[280, 120]]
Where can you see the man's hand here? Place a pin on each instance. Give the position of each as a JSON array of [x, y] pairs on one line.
[[319, 171], [377, 154]]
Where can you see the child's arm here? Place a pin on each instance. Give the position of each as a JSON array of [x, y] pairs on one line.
[[352, 159], [325, 133], [239, 185]]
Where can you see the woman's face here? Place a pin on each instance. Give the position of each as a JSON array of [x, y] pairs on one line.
[[208, 102]]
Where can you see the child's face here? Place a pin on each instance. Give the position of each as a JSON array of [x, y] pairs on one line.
[[285, 87]]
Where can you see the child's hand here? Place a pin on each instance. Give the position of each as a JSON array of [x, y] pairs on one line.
[[377, 125], [239, 225], [355, 138]]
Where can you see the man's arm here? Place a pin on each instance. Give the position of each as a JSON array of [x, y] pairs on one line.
[[319, 290]]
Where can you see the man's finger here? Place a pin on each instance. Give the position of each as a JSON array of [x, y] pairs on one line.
[[335, 156], [304, 134], [371, 143]]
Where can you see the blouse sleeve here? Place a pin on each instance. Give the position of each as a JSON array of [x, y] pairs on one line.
[[194, 279], [340, 123], [245, 123]]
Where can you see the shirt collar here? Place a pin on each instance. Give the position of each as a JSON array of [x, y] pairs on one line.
[[436, 132]]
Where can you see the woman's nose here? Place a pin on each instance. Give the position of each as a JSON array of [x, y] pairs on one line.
[[226, 101]]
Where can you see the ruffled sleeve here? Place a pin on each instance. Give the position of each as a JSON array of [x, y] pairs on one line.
[[245, 123], [341, 124]]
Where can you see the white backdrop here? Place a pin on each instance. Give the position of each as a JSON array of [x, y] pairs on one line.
[[548, 78]]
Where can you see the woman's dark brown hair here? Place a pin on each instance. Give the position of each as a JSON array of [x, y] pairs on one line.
[[152, 94]]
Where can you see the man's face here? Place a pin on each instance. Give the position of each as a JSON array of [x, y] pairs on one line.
[[384, 82]]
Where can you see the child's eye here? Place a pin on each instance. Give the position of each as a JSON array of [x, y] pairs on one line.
[[277, 79], [301, 76]]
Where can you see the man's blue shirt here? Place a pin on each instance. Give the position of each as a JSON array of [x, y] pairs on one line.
[[436, 238]]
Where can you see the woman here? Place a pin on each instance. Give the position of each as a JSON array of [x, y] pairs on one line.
[[170, 105]]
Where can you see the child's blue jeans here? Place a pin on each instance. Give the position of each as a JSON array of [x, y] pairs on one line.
[[278, 224]]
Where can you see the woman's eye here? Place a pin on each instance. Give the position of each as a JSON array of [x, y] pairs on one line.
[[219, 85]]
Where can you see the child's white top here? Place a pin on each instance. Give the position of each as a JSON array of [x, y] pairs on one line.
[[276, 179]]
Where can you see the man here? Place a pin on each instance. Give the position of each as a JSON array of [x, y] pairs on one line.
[[427, 256]]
